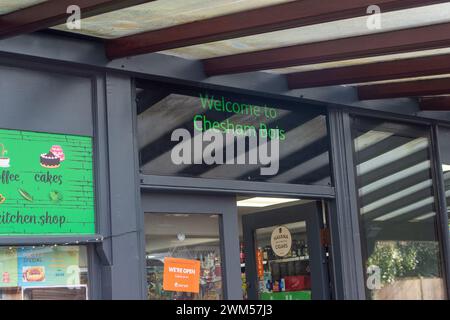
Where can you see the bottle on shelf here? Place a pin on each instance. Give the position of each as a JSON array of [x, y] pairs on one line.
[[265, 254], [294, 248], [241, 253], [305, 250]]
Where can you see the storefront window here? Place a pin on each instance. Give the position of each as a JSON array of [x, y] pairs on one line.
[[397, 206], [444, 147], [183, 256], [266, 141], [43, 273]]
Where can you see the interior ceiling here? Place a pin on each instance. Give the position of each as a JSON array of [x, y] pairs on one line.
[[161, 15], [294, 228], [249, 210], [162, 229]]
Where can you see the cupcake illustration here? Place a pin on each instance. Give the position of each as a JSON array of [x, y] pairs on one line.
[[4, 161], [58, 151]]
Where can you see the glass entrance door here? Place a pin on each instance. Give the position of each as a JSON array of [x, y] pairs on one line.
[[284, 256], [191, 247]]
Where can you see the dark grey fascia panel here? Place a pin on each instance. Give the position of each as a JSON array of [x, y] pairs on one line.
[[50, 240], [45, 101], [150, 182]]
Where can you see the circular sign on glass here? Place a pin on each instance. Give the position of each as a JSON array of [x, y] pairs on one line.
[[281, 241]]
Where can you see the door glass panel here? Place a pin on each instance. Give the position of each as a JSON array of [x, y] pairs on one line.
[[444, 148], [282, 262], [183, 256], [397, 206]]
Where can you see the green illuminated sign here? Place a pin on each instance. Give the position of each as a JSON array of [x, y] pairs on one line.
[[46, 184]]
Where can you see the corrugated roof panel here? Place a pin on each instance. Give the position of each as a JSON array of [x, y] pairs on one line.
[[162, 14], [353, 62], [8, 6], [396, 20]]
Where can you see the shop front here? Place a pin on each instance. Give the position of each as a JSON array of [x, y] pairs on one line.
[[122, 182]]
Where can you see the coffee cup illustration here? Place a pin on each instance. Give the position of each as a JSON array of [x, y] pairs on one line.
[[4, 161]]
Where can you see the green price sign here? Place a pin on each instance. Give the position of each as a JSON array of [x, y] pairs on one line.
[[46, 184]]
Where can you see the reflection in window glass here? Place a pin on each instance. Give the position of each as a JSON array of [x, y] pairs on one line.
[[183, 257], [399, 228], [444, 147], [43, 273], [301, 158]]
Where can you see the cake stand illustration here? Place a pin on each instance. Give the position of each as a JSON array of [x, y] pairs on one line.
[[4, 161]]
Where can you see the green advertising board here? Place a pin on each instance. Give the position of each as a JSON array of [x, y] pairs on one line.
[[46, 184]]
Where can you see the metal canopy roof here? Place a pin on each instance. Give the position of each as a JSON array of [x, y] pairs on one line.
[[314, 43]]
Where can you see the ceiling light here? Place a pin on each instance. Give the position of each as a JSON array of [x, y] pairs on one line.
[[177, 215], [260, 202]]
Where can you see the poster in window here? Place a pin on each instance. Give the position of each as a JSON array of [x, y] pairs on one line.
[[46, 184]]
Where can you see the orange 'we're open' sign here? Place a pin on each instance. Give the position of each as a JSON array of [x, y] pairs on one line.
[[181, 275]]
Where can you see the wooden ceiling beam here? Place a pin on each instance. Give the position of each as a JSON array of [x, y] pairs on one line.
[[251, 22], [392, 42], [419, 88], [435, 103], [387, 70], [54, 12]]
